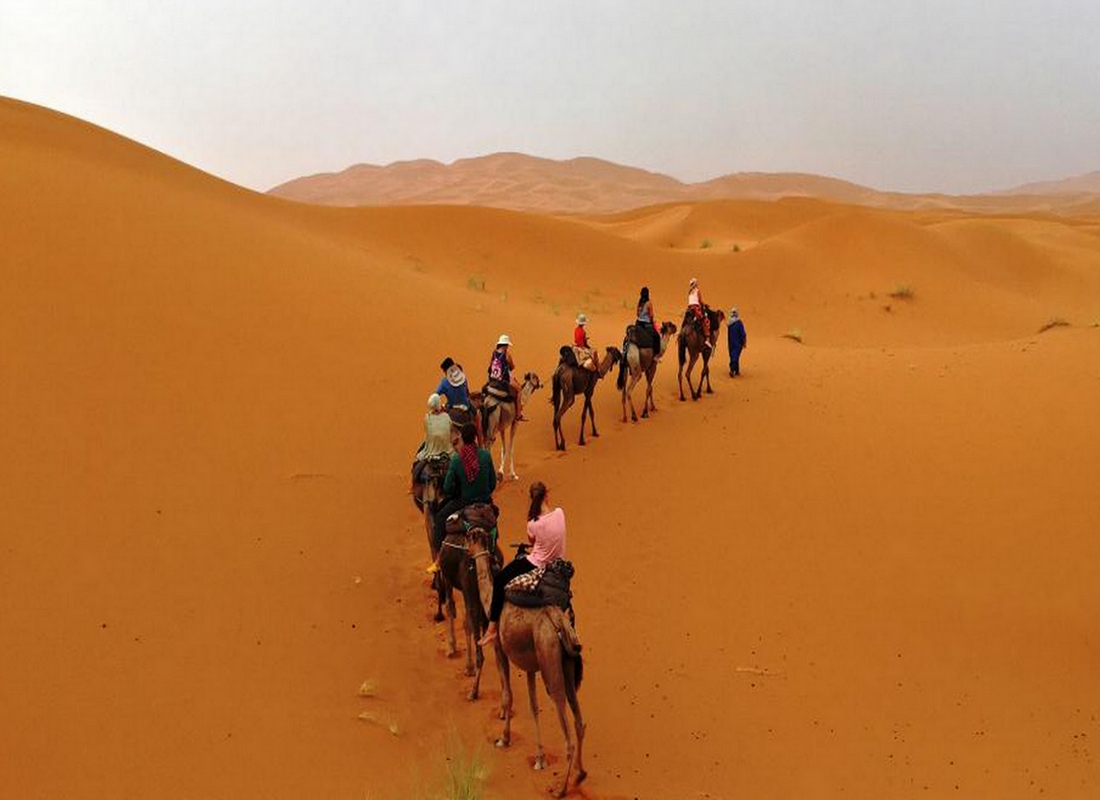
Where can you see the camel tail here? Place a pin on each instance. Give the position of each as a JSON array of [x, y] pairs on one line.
[[621, 381], [578, 668], [555, 381], [682, 346]]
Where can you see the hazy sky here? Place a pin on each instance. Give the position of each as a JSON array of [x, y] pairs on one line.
[[952, 95]]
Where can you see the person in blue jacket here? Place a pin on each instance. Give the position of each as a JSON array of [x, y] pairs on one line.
[[735, 331], [453, 385]]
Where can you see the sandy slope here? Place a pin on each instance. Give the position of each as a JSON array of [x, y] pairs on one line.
[[864, 569]]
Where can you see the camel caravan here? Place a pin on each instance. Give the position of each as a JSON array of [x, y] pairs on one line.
[[522, 610]]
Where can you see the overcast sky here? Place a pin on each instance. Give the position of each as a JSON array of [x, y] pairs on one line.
[[950, 95]]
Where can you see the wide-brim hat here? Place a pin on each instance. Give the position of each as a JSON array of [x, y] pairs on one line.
[[455, 375], [582, 319], [504, 340]]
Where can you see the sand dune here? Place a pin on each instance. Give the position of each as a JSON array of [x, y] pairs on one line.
[[864, 569], [593, 186]]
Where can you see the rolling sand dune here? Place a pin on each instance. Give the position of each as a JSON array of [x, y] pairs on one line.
[[592, 186], [865, 569]]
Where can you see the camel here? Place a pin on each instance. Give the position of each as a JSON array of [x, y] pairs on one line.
[[571, 380], [499, 418], [428, 496], [690, 342], [641, 361], [540, 640], [465, 562]]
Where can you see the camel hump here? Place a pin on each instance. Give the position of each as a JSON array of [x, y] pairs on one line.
[[567, 356]]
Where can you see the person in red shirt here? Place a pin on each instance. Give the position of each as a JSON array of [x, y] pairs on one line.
[[586, 354]]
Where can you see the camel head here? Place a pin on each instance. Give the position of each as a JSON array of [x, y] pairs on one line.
[[668, 329], [614, 354]]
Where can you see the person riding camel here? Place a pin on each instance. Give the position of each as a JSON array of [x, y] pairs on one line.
[[471, 478], [585, 352], [437, 436], [647, 321], [698, 311], [453, 385], [500, 372], [546, 534]]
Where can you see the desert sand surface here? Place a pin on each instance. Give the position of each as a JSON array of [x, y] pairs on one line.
[[864, 569], [521, 182]]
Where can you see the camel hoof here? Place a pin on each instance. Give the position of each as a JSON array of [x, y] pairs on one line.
[[540, 764], [438, 616], [472, 696], [581, 775], [452, 651], [469, 672], [595, 435], [559, 793], [501, 742]]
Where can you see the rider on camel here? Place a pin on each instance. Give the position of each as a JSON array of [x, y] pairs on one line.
[[586, 354], [500, 372], [647, 321], [699, 311]]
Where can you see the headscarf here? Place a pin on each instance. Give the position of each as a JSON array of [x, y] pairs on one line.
[[644, 297], [693, 283], [468, 455], [733, 313], [434, 403]]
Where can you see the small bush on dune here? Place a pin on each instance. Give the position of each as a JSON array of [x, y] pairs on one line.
[[1053, 322], [794, 334], [705, 244], [736, 248], [476, 283], [902, 292]]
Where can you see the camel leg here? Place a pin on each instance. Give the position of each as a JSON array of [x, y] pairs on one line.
[[479, 662], [532, 692], [505, 696], [558, 696], [629, 398], [566, 404], [591, 414], [578, 720], [468, 626], [585, 411], [706, 374], [505, 690], [448, 592], [680, 380], [512, 451]]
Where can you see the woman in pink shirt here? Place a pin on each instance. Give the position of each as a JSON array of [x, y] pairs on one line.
[[546, 533]]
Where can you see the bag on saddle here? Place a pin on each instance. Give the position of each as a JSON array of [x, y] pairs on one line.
[[568, 355], [551, 586]]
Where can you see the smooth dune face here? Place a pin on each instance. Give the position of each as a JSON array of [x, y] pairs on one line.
[[864, 569]]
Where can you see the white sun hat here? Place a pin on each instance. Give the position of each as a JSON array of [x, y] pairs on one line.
[[504, 339], [582, 319]]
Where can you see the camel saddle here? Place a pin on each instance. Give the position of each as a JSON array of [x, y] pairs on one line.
[[548, 586], [643, 338], [475, 515], [498, 390]]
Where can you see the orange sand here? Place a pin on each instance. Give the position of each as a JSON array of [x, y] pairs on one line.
[[865, 569]]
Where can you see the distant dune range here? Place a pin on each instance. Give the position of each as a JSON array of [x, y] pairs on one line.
[[592, 186], [865, 569]]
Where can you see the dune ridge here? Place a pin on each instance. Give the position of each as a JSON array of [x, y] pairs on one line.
[[863, 569], [593, 186]]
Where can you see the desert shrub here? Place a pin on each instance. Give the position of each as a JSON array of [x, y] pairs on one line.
[[705, 244], [1053, 322], [794, 334], [736, 248], [902, 292]]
